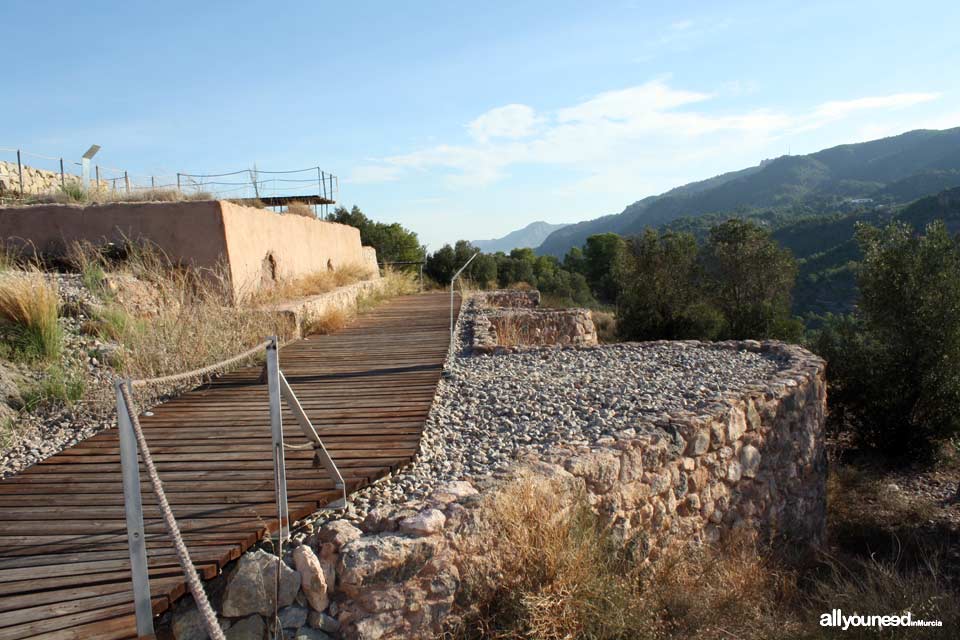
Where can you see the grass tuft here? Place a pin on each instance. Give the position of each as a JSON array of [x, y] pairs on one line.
[[30, 306], [328, 322], [58, 386], [297, 208]]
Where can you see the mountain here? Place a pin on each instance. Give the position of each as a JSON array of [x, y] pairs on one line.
[[827, 252], [890, 171], [531, 235]]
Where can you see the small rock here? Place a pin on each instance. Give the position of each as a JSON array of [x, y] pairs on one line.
[[251, 588], [250, 628], [323, 622], [312, 578], [293, 617], [423, 524]]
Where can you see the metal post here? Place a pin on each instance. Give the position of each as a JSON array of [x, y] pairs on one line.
[[20, 172], [178, 181], [133, 509], [126, 181], [153, 182], [452, 280], [96, 185], [63, 182], [321, 186], [276, 431], [421, 277]]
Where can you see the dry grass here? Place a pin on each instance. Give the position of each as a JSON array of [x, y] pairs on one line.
[[561, 574], [606, 324], [546, 567], [394, 282], [195, 321], [511, 332], [74, 193], [311, 285], [328, 322], [30, 306], [297, 208]]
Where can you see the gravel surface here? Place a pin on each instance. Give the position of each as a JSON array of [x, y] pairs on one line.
[[498, 407]]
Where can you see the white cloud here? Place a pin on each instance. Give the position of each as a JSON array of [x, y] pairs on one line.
[[837, 109], [511, 121], [643, 131]]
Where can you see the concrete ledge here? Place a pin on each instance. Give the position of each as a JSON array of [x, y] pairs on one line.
[[295, 314]]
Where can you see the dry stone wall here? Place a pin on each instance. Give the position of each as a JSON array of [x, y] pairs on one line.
[[754, 461], [35, 181], [510, 320]]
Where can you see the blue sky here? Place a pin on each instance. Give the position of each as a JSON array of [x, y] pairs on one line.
[[469, 120]]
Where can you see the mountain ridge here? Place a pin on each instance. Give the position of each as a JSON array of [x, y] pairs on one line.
[[531, 235], [895, 169]]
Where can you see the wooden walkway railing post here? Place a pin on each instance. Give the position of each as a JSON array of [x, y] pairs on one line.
[[133, 508]]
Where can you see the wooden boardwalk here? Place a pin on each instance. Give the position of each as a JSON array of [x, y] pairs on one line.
[[64, 565]]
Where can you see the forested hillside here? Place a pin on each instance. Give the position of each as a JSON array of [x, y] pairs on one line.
[[889, 171]]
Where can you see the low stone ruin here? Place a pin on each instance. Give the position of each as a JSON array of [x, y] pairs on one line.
[[511, 320]]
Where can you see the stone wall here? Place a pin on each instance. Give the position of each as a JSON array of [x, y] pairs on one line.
[[509, 298], [35, 181], [754, 461], [505, 330]]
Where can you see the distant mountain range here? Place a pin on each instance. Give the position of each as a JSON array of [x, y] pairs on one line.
[[531, 235], [892, 170]]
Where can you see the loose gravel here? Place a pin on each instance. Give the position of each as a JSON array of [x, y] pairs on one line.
[[496, 408]]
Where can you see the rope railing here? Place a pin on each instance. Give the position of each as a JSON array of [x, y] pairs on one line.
[[170, 523], [132, 439], [201, 371]]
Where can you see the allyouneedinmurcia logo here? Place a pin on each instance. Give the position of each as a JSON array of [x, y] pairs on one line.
[[836, 618]]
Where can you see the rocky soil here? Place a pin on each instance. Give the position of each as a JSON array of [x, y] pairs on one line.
[[493, 409], [31, 434]]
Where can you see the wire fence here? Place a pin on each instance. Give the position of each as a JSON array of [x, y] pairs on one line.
[[24, 174], [260, 184]]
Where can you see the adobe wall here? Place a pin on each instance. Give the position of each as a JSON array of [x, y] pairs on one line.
[[257, 246], [297, 245]]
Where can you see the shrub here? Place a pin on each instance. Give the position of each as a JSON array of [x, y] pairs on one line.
[[893, 372], [30, 305]]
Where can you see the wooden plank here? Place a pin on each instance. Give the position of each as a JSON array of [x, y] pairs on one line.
[[64, 568]]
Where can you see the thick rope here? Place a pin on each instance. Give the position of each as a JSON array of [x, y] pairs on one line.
[[193, 580], [217, 366]]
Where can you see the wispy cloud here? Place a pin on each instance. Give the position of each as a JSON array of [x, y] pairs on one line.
[[645, 130], [511, 121]]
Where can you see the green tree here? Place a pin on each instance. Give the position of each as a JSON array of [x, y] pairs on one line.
[[662, 290], [574, 261], [602, 254], [893, 365], [393, 242], [441, 264], [749, 278]]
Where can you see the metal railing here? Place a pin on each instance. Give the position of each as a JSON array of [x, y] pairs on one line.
[[129, 435], [446, 372]]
